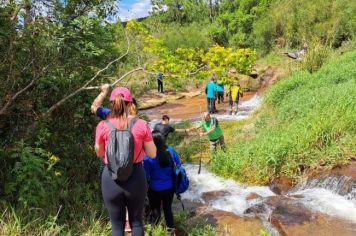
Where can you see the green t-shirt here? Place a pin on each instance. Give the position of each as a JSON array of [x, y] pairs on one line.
[[206, 125]]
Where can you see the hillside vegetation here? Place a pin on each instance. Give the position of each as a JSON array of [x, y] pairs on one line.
[[50, 50], [307, 121]]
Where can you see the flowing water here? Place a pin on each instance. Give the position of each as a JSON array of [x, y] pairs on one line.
[[334, 196]]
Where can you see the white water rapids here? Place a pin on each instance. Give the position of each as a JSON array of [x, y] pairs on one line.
[[316, 199]]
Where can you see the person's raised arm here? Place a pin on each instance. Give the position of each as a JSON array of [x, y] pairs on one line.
[[150, 149], [98, 101]]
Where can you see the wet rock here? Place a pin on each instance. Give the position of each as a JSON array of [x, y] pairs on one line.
[[319, 224], [286, 213], [291, 218], [253, 196], [340, 179], [228, 223], [213, 195], [281, 185], [256, 210]]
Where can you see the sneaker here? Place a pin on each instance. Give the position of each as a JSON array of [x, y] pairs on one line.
[[127, 227]]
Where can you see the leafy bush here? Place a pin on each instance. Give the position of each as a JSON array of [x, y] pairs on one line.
[[316, 55], [308, 120], [297, 21]]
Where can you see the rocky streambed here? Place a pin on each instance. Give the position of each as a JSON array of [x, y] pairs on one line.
[[319, 206]]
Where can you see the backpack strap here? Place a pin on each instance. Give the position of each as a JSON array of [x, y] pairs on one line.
[[132, 123], [110, 125]]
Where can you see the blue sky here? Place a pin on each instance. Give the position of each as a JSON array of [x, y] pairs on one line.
[[131, 9]]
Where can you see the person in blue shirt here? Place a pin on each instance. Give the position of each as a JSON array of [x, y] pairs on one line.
[[159, 78], [159, 174], [220, 90], [211, 91]]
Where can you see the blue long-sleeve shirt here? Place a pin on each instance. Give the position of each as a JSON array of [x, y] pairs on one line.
[[159, 178]]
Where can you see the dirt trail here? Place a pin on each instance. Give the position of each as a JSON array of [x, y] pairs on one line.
[[188, 108]]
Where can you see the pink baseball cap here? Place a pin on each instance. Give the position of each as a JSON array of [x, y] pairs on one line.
[[126, 94]]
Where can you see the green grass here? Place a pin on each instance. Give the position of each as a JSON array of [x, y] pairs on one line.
[[307, 121], [32, 222]]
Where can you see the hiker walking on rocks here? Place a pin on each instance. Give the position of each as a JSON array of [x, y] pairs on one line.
[[234, 93], [159, 173], [211, 91], [159, 78], [123, 185], [211, 128]]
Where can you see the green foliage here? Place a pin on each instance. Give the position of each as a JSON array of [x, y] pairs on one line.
[[220, 60], [316, 55], [193, 36], [291, 23], [234, 25], [182, 11], [308, 120], [180, 63]]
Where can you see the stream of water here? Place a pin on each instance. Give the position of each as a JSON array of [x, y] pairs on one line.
[[327, 195]]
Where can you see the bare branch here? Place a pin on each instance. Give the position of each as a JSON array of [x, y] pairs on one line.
[[56, 105], [195, 72], [119, 79]]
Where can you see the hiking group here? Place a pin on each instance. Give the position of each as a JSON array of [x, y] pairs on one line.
[[215, 90], [138, 163]]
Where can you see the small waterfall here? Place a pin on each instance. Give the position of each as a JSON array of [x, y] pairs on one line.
[[341, 185], [234, 195]]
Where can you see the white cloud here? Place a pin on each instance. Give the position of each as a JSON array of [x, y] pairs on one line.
[[140, 8]]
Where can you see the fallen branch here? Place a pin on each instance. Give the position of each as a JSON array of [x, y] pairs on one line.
[[195, 72], [56, 105], [119, 79]]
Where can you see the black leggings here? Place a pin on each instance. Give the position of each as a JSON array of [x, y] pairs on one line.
[[157, 199], [130, 194], [160, 86]]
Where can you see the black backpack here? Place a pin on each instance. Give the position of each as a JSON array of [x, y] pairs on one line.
[[120, 151]]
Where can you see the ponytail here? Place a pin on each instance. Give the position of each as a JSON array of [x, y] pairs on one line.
[[119, 107], [163, 155]]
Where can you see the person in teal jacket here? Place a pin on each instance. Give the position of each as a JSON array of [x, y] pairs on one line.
[[220, 90], [211, 92]]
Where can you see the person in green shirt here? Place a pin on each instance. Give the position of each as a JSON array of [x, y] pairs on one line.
[[210, 126]]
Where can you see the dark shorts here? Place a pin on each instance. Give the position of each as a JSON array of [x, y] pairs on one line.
[[232, 103]]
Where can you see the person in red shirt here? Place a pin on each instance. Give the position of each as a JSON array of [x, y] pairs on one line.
[[129, 194]]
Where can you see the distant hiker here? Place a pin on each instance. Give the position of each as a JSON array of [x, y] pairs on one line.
[[123, 181], [299, 54], [103, 112], [211, 91], [159, 78], [159, 173], [211, 127], [165, 128], [234, 93], [220, 89]]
